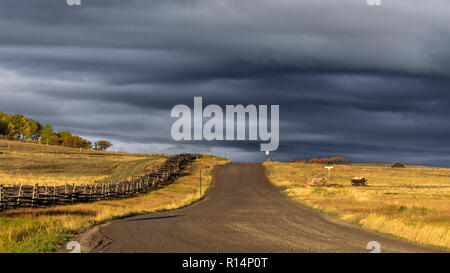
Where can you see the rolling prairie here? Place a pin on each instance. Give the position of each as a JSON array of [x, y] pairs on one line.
[[30, 163], [47, 229], [412, 203]]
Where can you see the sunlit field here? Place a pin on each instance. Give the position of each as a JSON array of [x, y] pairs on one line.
[[30, 163], [411, 203], [47, 229]]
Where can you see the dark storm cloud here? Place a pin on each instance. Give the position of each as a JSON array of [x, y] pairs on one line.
[[370, 83]]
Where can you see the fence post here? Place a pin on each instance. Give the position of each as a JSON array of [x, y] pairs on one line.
[[89, 192], [66, 191], [73, 192], [160, 176], [46, 193], [34, 195], [84, 191], [19, 194], [54, 193], [1, 197]]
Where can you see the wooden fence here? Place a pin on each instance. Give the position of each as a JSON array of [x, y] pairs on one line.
[[44, 196]]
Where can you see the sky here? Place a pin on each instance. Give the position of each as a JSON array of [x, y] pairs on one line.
[[371, 83]]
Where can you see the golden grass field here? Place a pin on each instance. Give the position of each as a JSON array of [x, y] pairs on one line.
[[30, 163], [411, 203], [47, 229]]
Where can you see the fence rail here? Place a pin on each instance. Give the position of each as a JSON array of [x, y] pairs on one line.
[[43, 196]]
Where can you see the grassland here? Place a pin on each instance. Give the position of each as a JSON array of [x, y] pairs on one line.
[[46, 230], [411, 203], [30, 163]]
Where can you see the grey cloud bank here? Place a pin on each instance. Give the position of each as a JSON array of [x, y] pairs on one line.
[[370, 83]]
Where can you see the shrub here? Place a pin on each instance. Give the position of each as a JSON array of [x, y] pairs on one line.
[[398, 165], [298, 161], [331, 160]]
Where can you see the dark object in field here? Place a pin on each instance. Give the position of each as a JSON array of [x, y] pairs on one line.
[[357, 181], [398, 165]]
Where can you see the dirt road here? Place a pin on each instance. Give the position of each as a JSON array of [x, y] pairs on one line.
[[241, 213]]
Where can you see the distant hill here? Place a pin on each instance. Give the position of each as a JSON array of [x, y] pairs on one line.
[[28, 163]]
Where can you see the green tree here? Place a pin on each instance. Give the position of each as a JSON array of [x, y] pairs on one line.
[[76, 142], [46, 133], [55, 140], [3, 124], [7, 123], [28, 128], [20, 127], [64, 134], [16, 126], [86, 144], [36, 133]]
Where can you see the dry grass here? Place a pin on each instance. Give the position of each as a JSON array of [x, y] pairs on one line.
[[29, 163], [45, 230], [411, 203]]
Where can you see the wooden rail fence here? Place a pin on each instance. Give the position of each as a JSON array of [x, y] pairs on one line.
[[43, 196]]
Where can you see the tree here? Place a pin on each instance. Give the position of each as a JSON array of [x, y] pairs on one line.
[[102, 145], [46, 133], [64, 134], [29, 128], [55, 140], [36, 133], [3, 124], [16, 126], [86, 144], [76, 142], [20, 127]]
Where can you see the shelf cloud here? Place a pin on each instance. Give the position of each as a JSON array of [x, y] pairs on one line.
[[367, 82]]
